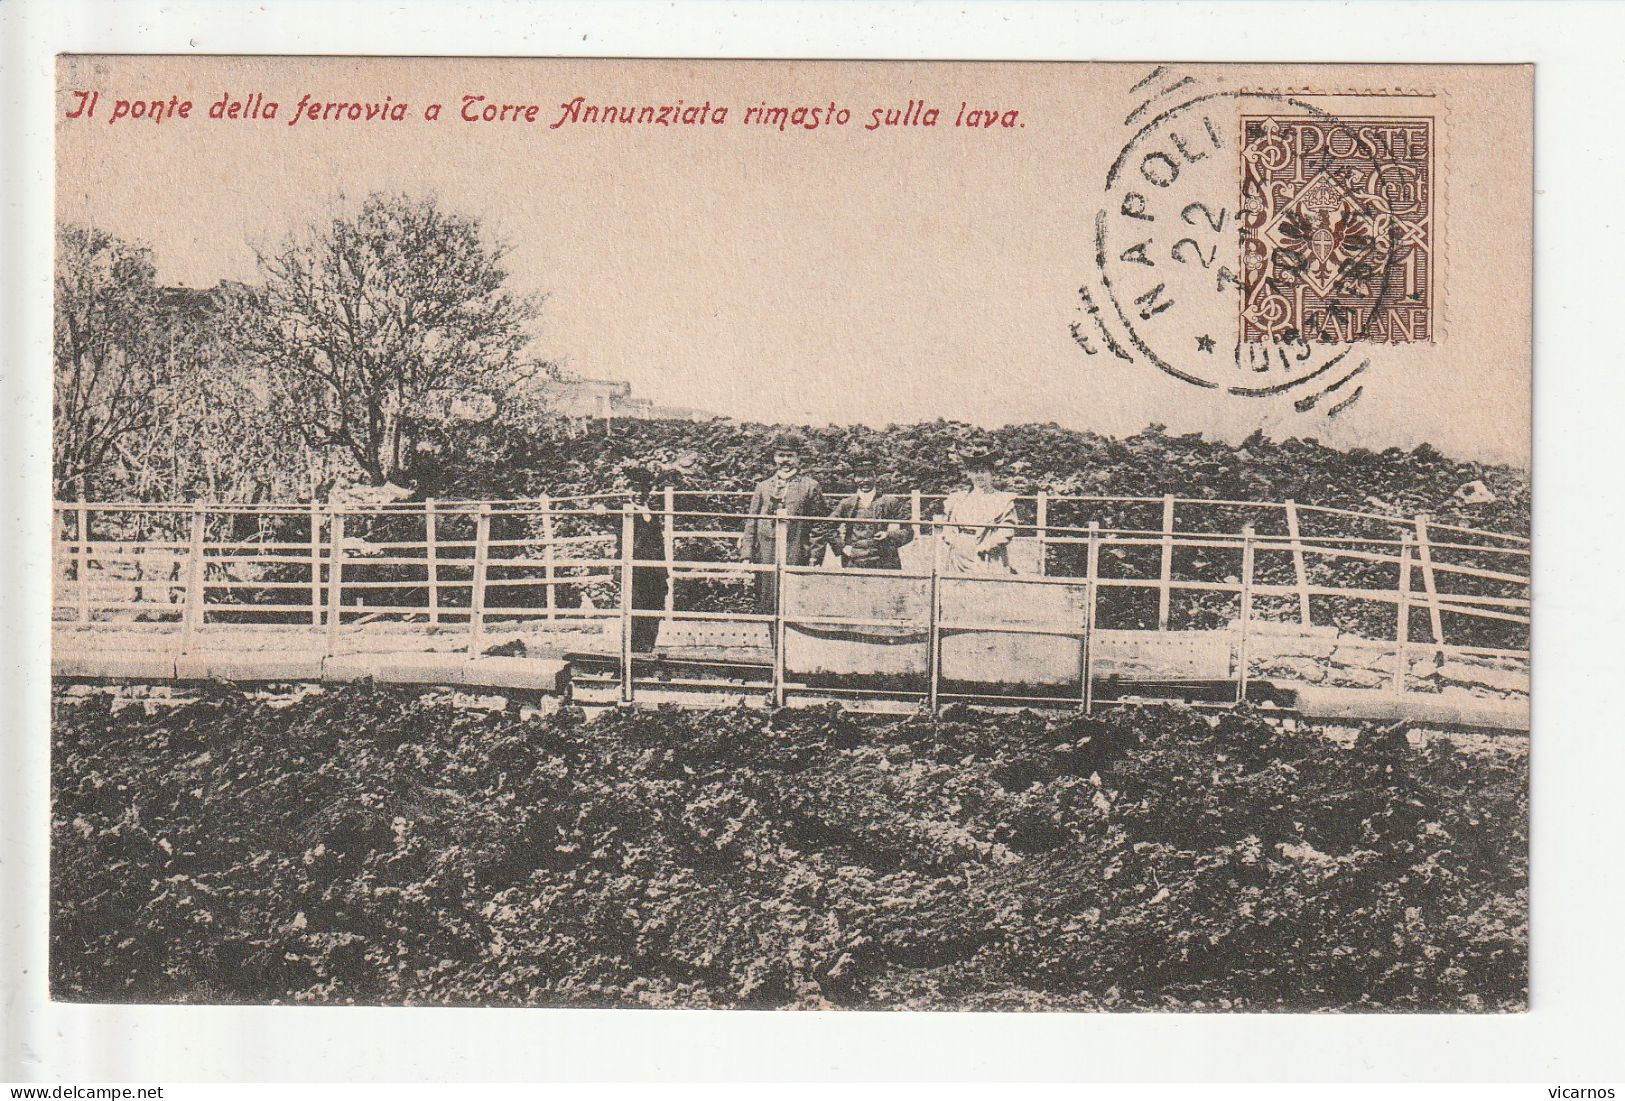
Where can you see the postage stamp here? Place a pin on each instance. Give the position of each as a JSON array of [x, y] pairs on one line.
[[1330, 207], [1266, 244]]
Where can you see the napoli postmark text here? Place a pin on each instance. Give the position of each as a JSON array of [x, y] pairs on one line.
[[1259, 245]]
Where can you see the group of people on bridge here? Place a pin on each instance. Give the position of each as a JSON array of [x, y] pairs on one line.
[[865, 529]]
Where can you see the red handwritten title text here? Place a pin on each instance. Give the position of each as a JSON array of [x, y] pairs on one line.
[[577, 112]]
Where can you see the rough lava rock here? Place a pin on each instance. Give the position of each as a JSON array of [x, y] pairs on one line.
[[369, 845]]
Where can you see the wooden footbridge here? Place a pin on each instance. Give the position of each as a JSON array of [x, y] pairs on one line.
[[1318, 611]]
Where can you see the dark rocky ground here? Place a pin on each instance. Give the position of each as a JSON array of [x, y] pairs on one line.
[[383, 846]]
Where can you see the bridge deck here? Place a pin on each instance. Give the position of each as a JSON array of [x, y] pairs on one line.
[[1436, 617]]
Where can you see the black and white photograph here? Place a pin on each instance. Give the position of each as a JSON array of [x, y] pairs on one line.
[[791, 535]]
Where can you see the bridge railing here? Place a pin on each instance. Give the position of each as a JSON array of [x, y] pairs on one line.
[[469, 574]]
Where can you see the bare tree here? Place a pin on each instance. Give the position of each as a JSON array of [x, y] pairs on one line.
[[223, 432], [374, 323], [110, 351]]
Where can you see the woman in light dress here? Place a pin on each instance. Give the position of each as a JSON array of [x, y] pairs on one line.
[[978, 523]]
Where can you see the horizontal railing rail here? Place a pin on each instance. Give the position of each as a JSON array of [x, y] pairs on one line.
[[342, 570]]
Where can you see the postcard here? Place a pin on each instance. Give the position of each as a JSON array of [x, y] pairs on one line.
[[791, 534]]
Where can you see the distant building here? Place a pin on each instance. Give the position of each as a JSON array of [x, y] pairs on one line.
[[606, 399]]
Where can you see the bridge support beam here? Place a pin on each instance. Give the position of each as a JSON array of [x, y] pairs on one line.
[[1402, 629], [335, 580], [196, 594], [1091, 573], [626, 603], [1165, 589], [1242, 657]]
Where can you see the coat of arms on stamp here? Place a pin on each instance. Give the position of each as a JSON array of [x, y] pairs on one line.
[[1336, 237]]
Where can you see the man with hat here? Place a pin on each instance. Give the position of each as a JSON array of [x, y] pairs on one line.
[[870, 546], [979, 522], [798, 495]]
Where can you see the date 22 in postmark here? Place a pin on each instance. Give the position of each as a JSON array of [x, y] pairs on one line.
[[1260, 245]]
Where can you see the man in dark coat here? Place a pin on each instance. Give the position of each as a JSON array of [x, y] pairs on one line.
[[648, 545], [796, 494], [871, 546]]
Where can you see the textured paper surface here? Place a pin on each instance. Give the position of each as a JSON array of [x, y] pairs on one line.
[[848, 274], [1339, 254]]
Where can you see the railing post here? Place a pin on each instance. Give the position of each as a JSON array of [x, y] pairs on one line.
[[476, 599], [315, 565], [670, 540], [1298, 565], [1246, 612], [780, 530], [626, 602], [81, 568], [431, 560], [1402, 628], [1165, 587], [1091, 570], [933, 637], [914, 510], [1425, 550], [549, 553], [195, 593], [1043, 533], [143, 569], [61, 551], [335, 579]]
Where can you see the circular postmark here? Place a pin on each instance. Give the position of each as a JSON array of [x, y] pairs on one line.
[[1257, 244]]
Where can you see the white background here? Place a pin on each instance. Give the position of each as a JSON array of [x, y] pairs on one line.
[[1578, 981]]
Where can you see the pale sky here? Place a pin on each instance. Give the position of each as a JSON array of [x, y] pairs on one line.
[[828, 275]]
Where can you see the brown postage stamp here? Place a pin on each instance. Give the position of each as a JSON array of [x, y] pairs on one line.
[[785, 534], [1331, 209]]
